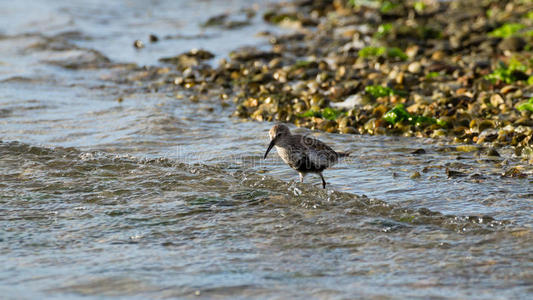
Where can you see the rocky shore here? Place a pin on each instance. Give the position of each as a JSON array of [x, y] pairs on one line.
[[457, 69]]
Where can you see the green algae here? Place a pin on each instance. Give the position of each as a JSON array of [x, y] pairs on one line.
[[388, 52], [399, 114], [274, 18], [388, 6], [526, 105], [432, 75], [507, 30], [327, 113], [419, 6], [383, 30], [507, 73], [378, 91]]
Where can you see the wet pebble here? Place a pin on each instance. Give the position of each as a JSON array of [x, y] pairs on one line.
[[419, 151], [454, 174], [513, 43], [414, 67], [138, 44], [153, 38]]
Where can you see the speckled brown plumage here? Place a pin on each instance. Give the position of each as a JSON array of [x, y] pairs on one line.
[[302, 153]]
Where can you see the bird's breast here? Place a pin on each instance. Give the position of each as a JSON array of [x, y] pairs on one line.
[[286, 154]]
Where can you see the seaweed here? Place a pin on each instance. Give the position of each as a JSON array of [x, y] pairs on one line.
[[398, 114], [378, 91], [392, 52], [388, 6], [507, 30], [508, 73], [419, 6], [432, 75], [383, 30], [526, 105]]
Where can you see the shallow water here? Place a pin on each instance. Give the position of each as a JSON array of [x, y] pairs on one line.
[[160, 197]]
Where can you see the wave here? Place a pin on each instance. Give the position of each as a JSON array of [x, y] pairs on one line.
[[106, 178]]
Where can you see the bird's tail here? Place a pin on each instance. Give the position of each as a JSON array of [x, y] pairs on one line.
[[343, 154]]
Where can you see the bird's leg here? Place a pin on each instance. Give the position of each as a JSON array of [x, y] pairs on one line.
[[323, 181], [301, 177]]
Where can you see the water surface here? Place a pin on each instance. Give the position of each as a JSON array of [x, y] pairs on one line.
[[160, 197]]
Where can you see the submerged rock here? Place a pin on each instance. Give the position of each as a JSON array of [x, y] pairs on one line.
[[250, 53], [514, 172], [419, 151], [188, 59], [80, 59], [153, 38], [454, 174], [513, 43]]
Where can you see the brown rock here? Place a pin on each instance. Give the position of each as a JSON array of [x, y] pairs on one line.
[[513, 43]]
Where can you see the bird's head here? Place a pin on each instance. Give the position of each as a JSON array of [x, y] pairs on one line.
[[276, 132]]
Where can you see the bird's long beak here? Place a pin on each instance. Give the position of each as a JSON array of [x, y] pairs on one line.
[[272, 143]]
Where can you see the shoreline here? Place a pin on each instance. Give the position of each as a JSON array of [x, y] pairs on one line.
[[384, 67]]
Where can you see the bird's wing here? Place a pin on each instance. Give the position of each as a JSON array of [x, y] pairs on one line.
[[315, 151], [311, 142]]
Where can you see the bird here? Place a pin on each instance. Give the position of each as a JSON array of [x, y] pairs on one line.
[[303, 153]]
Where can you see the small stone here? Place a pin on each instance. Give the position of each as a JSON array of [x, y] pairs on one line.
[[399, 78], [419, 151], [344, 122], [153, 38], [461, 91], [508, 88], [415, 175], [200, 54], [370, 125], [412, 51], [488, 135], [514, 172], [413, 108], [188, 59], [492, 152], [438, 133], [513, 43], [414, 67], [486, 124], [496, 100], [348, 130], [454, 174], [352, 101], [250, 53], [477, 177], [426, 212], [178, 80], [466, 148], [438, 55], [138, 44]]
